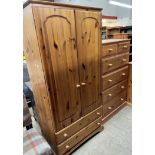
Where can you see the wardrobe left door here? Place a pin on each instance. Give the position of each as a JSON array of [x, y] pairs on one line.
[[57, 27]]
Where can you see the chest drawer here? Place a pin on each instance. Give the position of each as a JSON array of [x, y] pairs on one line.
[[114, 103], [112, 78], [72, 141], [78, 125], [123, 47], [113, 91], [114, 62], [109, 49]]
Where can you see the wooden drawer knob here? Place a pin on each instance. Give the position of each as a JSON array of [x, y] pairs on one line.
[[110, 65], [83, 84], [122, 87], [125, 46], [98, 113], [77, 86], [122, 99], [109, 108], [98, 123], [67, 146], [123, 60], [109, 80], [109, 94], [123, 74], [65, 134], [110, 50]]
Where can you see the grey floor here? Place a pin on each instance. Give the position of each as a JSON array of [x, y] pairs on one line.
[[115, 139]]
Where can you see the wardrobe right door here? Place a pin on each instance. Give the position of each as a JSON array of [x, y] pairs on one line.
[[88, 25]]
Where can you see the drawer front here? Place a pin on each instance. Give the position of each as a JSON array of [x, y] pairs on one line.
[[72, 141], [124, 47], [112, 78], [114, 62], [114, 103], [109, 50], [67, 132], [114, 91]]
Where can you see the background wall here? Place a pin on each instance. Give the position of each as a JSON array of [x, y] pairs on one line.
[[124, 14], [108, 9]]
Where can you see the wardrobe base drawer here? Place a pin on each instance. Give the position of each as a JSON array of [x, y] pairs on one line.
[[79, 136], [114, 103], [67, 132], [101, 128]]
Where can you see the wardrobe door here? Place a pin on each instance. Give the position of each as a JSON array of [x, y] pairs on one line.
[[89, 46], [58, 27]]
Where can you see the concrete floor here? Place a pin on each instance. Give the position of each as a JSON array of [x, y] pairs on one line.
[[115, 139]]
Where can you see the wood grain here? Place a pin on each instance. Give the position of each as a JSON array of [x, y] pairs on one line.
[[72, 141], [50, 3], [112, 104], [58, 27], [111, 41], [108, 50], [112, 78], [35, 68], [124, 47], [129, 96], [114, 62], [114, 73], [101, 128], [112, 113], [78, 125], [66, 102], [89, 49], [114, 91]]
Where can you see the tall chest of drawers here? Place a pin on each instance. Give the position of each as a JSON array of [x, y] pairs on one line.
[[114, 75]]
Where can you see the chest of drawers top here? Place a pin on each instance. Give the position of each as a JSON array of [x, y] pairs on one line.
[[111, 47], [110, 41]]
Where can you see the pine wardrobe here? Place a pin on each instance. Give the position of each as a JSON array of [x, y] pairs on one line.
[[62, 44]]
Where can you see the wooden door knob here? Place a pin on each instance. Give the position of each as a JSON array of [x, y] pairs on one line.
[[77, 86], [122, 99], [123, 74], [98, 113], [110, 50], [65, 134], [98, 123], [109, 80], [83, 83], [122, 87], [110, 65], [67, 146], [123, 60], [125, 46], [109, 94], [109, 108]]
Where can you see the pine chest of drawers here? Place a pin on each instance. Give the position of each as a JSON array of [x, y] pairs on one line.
[[114, 75]]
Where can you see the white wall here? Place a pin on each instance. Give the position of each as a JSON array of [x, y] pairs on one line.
[[108, 9]]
